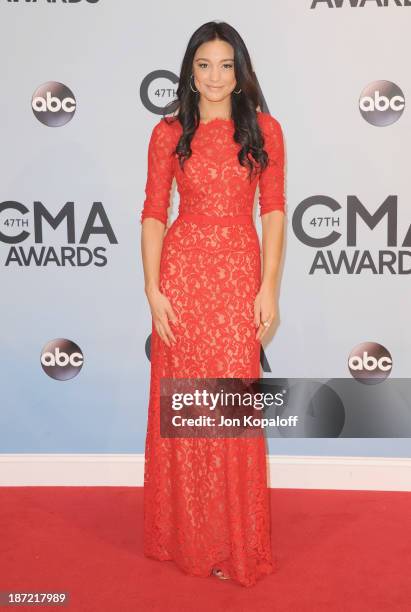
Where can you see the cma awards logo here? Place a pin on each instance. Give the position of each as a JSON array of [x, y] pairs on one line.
[[370, 363], [158, 89], [52, 1], [308, 223], [61, 359], [20, 225], [53, 104], [359, 3], [317, 218]]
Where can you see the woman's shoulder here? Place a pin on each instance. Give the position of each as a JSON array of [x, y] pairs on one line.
[[271, 130], [167, 125], [166, 130], [267, 121]]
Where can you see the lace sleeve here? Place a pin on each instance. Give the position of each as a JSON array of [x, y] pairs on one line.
[[160, 171], [271, 183]]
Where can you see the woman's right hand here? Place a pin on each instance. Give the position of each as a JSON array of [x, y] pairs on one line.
[[162, 313]]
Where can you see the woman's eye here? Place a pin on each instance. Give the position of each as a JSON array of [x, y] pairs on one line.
[[204, 65]]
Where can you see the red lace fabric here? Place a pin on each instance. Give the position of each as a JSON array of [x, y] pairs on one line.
[[206, 501]]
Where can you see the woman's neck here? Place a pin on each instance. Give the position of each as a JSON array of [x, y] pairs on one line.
[[208, 112]]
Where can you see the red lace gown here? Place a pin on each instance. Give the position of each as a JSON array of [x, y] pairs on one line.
[[206, 501]]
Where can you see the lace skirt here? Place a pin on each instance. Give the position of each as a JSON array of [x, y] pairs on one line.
[[206, 501]]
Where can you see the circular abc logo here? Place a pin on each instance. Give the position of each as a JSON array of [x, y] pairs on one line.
[[61, 359], [370, 363], [381, 103], [53, 104], [158, 90]]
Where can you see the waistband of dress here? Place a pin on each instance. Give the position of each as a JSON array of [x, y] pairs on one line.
[[203, 219]]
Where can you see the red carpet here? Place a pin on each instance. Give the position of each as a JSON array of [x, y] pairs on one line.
[[338, 551]]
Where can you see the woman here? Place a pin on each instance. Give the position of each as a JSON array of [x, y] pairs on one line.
[[206, 502]]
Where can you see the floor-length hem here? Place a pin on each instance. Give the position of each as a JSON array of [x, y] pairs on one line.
[[263, 570]]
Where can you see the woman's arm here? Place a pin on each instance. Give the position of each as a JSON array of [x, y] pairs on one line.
[[272, 212], [160, 173], [272, 247], [152, 236]]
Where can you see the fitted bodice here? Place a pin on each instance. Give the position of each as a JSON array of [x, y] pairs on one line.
[[213, 181]]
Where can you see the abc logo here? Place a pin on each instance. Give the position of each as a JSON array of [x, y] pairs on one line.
[[61, 359], [370, 363], [381, 103], [53, 104]]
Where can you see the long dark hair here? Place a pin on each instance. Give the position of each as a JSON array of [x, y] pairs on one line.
[[243, 105]]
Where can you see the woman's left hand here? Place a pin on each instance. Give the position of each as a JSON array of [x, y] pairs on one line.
[[265, 310]]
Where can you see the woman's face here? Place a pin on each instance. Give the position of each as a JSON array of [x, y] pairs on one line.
[[213, 70]]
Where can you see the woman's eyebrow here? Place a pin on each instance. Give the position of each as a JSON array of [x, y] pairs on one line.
[[228, 59]]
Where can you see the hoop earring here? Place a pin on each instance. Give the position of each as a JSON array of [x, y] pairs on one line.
[[237, 92], [191, 87]]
